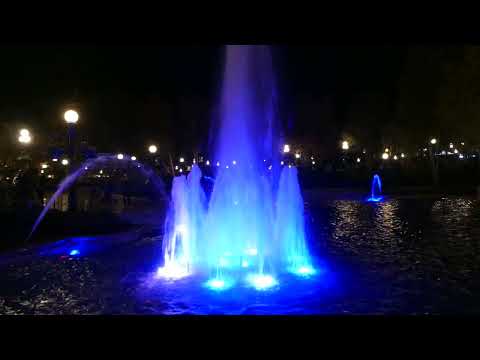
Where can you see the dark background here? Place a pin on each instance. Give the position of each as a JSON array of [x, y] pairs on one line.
[[129, 96]]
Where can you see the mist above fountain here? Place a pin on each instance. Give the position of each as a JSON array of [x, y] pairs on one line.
[[253, 226]]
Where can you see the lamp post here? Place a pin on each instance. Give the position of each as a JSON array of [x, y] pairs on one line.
[[71, 118], [433, 160]]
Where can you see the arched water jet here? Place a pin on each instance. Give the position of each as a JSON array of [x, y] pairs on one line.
[[82, 169]]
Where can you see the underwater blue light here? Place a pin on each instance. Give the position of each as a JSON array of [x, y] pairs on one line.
[[375, 199], [218, 284], [244, 263], [74, 252]]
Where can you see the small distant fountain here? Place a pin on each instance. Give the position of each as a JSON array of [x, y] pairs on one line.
[[253, 226], [376, 192]]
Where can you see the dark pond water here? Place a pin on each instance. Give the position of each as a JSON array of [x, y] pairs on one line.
[[402, 256]]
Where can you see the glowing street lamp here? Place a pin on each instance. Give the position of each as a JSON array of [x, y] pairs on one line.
[[358, 160], [433, 141], [64, 162], [385, 156], [71, 116], [345, 145], [25, 137], [120, 156], [152, 149]]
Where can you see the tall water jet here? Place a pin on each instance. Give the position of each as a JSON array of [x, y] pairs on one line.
[[376, 190], [290, 224], [254, 220], [183, 225]]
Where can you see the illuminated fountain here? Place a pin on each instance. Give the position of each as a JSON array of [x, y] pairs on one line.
[[376, 192], [253, 227]]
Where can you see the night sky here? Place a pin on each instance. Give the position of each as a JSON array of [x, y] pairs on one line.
[[129, 96]]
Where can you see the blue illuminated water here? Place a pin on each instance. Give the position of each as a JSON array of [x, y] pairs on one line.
[[376, 191], [253, 226]]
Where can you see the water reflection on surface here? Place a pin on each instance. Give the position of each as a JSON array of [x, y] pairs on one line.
[[412, 256]]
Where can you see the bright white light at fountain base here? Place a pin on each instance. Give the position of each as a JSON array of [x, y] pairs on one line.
[[395, 157], [281, 162], [286, 148], [270, 167], [297, 156], [451, 146], [385, 156], [433, 141], [120, 156], [133, 158], [304, 271], [65, 162], [181, 171], [358, 160], [207, 163], [313, 162], [234, 162], [262, 282], [345, 145], [71, 116], [176, 167], [402, 155], [172, 271], [54, 159], [182, 160], [218, 163], [152, 149]]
